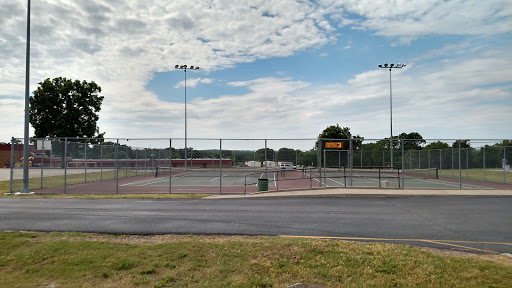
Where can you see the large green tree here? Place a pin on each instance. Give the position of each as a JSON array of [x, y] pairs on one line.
[[337, 132], [66, 108], [412, 141], [437, 145], [463, 144]]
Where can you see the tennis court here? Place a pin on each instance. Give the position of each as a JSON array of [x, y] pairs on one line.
[[241, 165], [247, 181]]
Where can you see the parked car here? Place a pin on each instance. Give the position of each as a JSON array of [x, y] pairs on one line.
[[287, 166]]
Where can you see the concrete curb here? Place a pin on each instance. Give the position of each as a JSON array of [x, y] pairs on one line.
[[363, 192]]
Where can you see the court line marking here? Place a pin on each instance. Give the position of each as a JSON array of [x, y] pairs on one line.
[[441, 242]]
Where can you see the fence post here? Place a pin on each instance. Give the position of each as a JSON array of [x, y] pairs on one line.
[[101, 162], [65, 162], [325, 172], [85, 160], [117, 166], [403, 164], [319, 160], [220, 164], [351, 160], [460, 166], [266, 176], [504, 162], [11, 165], [483, 151], [126, 163], [42, 162], [170, 165]]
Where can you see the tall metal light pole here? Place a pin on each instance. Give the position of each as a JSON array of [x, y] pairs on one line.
[[185, 68], [391, 66], [26, 154]]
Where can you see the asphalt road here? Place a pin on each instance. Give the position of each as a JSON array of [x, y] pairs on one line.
[[478, 224]]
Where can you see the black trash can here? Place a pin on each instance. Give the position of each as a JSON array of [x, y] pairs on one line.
[[262, 184]]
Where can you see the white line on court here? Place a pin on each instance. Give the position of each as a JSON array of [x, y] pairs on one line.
[[144, 183]]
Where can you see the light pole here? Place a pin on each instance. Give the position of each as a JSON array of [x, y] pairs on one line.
[[25, 189], [184, 68], [391, 66]]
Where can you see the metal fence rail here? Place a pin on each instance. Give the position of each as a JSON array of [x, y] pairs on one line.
[[68, 165]]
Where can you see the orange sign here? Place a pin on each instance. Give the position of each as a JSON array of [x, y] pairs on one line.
[[333, 144]]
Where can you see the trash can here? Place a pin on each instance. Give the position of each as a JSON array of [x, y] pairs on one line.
[[262, 184]]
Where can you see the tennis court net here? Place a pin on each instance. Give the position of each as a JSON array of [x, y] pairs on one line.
[[210, 172], [372, 173]]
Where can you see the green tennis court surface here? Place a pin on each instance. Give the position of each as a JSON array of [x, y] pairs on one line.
[[301, 179]]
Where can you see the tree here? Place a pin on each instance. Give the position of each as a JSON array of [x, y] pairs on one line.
[[412, 141], [260, 154], [286, 155], [437, 145], [65, 108], [308, 158], [463, 144], [337, 132], [504, 143]]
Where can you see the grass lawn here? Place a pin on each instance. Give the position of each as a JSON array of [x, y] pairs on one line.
[[111, 196], [58, 181], [90, 260], [491, 175]]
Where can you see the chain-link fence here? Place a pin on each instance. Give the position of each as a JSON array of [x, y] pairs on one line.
[[66, 165]]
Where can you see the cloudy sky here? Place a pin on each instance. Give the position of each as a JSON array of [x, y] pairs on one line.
[[269, 69]]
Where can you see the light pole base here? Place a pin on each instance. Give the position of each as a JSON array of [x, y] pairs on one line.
[[24, 192]]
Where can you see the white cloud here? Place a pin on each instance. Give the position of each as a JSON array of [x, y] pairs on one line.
[[194, 81], [409, 20], [119, 44]]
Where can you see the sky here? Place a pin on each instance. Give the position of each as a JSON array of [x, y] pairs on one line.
[[269, 69]]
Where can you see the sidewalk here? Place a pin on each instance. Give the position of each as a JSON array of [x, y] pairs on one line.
[[366, 192]]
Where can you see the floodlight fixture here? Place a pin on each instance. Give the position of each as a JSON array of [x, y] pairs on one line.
[[185, 68], [391, 66]]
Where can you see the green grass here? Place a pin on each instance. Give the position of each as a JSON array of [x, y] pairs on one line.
[[58, 181], [92, 260], [112, 196], [491, 175]]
